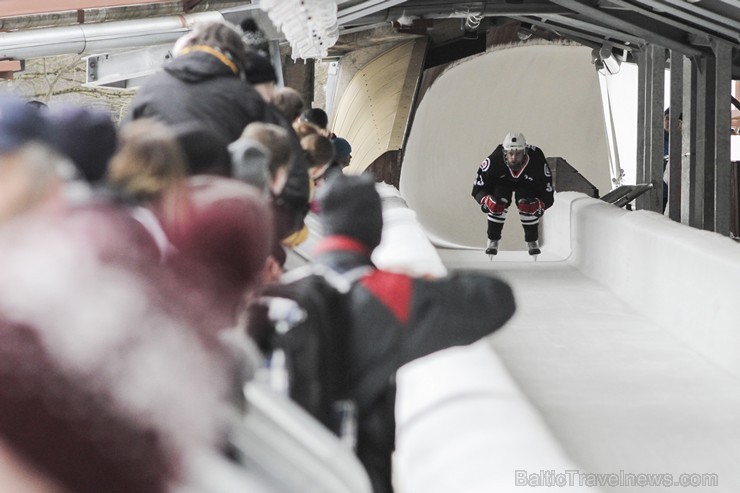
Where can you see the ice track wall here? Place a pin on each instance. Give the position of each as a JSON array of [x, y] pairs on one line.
[[683, 279]]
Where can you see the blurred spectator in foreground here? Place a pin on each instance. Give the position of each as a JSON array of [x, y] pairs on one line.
[[277, 141], [99, 390], [222, 245], [96, 342], [32, 174], [38, 187], [149, 171], [215, 232]]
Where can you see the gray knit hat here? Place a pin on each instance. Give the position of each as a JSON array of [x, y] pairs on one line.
[[249, 162], [350, 206]]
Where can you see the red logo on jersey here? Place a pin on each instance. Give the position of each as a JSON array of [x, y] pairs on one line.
[[485, 164]]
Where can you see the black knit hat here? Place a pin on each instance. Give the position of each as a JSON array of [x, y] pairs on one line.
[[87, 137], [259, 69], [350, 206], [205, 150]]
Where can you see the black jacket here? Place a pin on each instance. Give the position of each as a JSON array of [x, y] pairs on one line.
[[199, 87], [534, 179], [395, 319]]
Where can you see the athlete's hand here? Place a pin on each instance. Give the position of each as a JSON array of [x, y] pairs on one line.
[[489, 204], [531, 207]]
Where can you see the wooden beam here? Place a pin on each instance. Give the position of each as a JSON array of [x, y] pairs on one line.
[[12, 8]]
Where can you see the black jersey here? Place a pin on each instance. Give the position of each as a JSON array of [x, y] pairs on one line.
[[533, 180]]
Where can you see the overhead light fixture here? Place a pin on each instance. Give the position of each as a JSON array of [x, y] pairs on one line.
[[406, 20], [472, 23], [310, 26], [605, 61]]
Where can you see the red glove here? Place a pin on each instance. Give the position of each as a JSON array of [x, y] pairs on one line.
[[488, 204], [531, 207]]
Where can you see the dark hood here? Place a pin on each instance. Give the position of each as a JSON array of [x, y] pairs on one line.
[[198, 66]]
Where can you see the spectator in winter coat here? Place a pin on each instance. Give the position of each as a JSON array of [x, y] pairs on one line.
[[205, 83], [92, 373], [394, 318]]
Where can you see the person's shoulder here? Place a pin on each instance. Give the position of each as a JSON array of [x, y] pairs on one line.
[[533, 150], [497, 154], [467, 280], [473, 294], [394, 287], [495, 159]]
